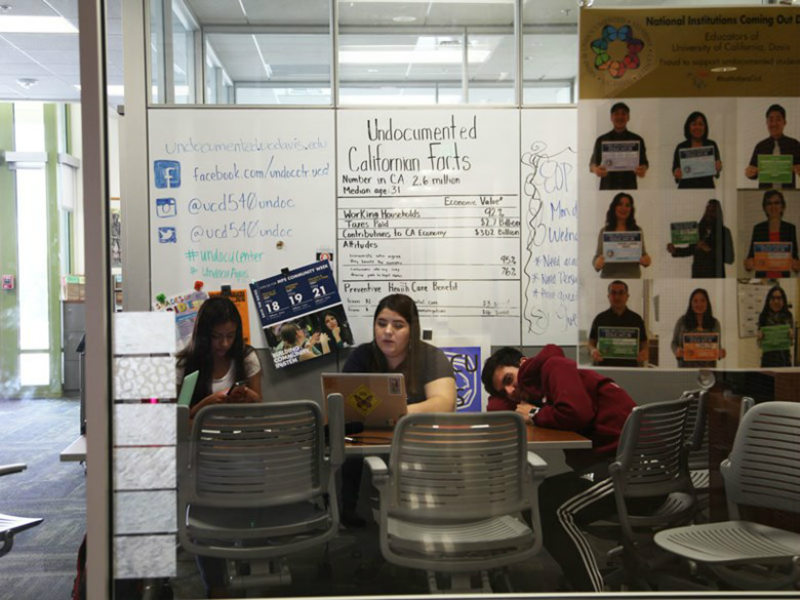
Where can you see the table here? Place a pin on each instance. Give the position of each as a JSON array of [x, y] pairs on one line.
[[379, 441], [76, 451]]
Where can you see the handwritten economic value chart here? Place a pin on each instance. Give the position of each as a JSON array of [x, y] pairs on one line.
[[429, 206]]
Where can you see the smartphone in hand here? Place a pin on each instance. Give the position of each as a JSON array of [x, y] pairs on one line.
[[235, 385]]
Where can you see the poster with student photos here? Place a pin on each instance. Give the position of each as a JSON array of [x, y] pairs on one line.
[[301, 314], [736, 121]]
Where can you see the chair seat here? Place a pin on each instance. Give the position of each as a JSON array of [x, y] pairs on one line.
[[455, 540], [11, 524], [222, 523], [730, 542]]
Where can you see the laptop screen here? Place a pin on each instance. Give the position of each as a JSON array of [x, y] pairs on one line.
[[187, 388]]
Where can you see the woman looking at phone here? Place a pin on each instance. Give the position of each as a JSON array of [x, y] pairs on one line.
[[229, 370]]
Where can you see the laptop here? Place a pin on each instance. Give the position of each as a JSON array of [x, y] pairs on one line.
[[187, 388], [377, 400]]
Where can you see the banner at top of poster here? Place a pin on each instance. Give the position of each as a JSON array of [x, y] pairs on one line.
[[682, 52]]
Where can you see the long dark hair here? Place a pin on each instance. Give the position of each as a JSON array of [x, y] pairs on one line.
[[686, 131], [611, 216], [711, 228], [690, 320], [784, 311], [197, 356], [344, 327], [406, 308]]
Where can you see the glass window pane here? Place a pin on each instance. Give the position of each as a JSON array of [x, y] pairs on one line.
[[549, 54], [274, 69], [182, 57], [29, 127], [404, 46], [34, 369], [32, 248], [156, 50]]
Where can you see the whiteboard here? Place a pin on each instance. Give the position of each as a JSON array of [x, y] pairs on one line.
[[429, 205], [550, 226], [238, 194]]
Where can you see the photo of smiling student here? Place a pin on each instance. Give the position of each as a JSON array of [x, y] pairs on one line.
[[696, 161], [708, 242], [619, 155], [773, 243], [697, 337], [775, 335], [776, 159], [621, 251]]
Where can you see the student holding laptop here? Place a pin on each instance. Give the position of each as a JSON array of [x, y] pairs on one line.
[[397, 347], [229, 371]]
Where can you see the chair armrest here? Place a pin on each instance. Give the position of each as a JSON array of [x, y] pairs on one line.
[[379, 470], [537, 464], [13, 468]]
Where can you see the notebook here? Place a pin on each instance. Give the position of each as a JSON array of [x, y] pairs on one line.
[[377, 400], [187, 388]]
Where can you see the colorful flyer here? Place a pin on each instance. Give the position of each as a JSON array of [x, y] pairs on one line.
[[301, 314], [619, 156], [622, 246], [775, 168], [700, 346], [684, 232], [697, 162], [185, 307], [776, 337], [618, 342], [772, 256], [239, 298]]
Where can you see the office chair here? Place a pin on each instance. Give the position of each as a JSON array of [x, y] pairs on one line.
[[652, 488], [450, 499], [762, 470], [9, 524], [257, 481]]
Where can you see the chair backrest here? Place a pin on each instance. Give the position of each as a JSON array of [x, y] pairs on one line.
[[697, 428], [263, 454], [455, 466], [763, 468], [653, 450]]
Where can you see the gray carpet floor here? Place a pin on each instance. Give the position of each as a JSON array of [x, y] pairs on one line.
[[41, 564]]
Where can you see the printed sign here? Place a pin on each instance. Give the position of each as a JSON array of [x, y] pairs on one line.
[[684, 232], [301, 314], [775, 168], [466, 362], [700, 346], [697, 162], [185, 307], [776, 337], [239, 298], [620, 156], [622, 246], [772, 256], [618, 342]]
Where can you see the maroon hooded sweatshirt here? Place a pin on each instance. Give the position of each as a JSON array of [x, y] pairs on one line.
[[572, 399]]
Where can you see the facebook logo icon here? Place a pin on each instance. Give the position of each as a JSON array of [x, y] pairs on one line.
[[167, 173]]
